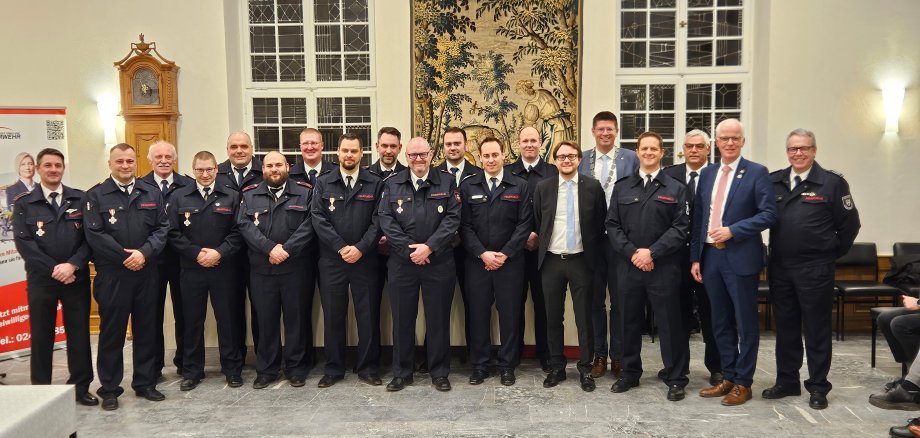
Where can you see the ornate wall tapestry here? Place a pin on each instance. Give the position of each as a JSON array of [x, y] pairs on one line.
[[493, 67]]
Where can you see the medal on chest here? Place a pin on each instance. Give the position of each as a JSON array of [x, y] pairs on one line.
[[399, 208], [331, 204], [112, 218], [40, 231], [188, 215], [256, 221]]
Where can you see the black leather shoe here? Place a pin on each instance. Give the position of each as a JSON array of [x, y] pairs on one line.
[[544, 365], [817, 401], [553, 378], [262, 382], [892, 384], [780, 391], [478, 377], [623, 385], [507, 377], [87, 399], [328, 381], [904, 431], [898, 398], [109, 402], [189, 384], [370, 379], [234, 381], [676, 393], [151, 394], [441, 384], [587, 383], [715, 378], [298, 381], [399, 383], [662, 374]]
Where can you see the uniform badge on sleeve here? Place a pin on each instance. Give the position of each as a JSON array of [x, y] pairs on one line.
[[847, 202]]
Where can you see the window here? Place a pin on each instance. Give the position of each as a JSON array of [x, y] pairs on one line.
[[308, 63], [682, 67]]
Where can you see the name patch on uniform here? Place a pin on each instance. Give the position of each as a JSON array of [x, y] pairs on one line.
[[152, 204], [814, 198], [223, 209], [438, 194], [515, 197], [365, 196], [666, 198], [290, 206], [74, 214]]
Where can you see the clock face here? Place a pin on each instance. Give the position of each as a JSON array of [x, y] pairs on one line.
[[145, 87]]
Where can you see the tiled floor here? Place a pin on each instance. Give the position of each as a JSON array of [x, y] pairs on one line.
[[351, 408]]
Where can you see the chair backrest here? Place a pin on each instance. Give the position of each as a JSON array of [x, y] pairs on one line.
[[861, 254], [904, 248]]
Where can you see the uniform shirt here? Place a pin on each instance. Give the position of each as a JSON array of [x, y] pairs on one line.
[[265, 222], [47, 193], [130, 186], [498, 178], [459, 167], [61, 239], [653, 217], [196, 224], [159, 181], [802, 176], [715, 188], [343, 218], [227, 175], [498, 220], [541, 170], [557, 243]]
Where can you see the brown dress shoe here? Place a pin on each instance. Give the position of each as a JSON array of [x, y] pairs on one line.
[[738, 396], [720, 390], [599, 367], [914, 429], [615, 368]]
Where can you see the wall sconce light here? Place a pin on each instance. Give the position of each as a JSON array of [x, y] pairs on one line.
[[893, 95], [108, 111]]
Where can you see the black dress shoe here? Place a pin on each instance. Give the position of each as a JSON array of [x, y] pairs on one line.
[[234, 381], [662, 374], [189, 384], [715, 378], [587, 383], [478, 377], [898, 398], [623, 385], [328, 380], [817, 401], [87, 399], [553, 378], [780, 391], [903, 431], [441, 383], [151, 394], [892, 384], [109, 402], [676, 393], [370, 379], [507, 377], [262, 382], [298, 381], [399, 383]]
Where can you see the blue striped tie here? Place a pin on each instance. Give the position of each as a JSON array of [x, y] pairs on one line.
[[570, 216]]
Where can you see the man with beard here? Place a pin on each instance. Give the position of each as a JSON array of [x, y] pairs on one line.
[[345, 219], [274, 220], [388, 147]]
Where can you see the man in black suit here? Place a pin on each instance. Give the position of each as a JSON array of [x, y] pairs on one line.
[[696, 156], [533, 169], [569, 212], [162, 157]]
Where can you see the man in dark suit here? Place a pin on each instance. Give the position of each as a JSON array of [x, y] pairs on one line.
[[606, 163], [734, 204], [696, 156], [569, 212], [533, 169], [162, 157]]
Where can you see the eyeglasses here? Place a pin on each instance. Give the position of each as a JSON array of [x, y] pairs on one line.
[[796, 149], [418, 156], [312, 143], [605, 130], [700, 146], [728, 139], [205, 170], [569, 157]]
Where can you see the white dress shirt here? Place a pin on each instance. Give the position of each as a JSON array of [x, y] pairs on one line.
[[459, 168], [803, 176], [416, 178], [47, 192], [599, 169], [131, 184], [159, 181], [557, 239], [498, 178]]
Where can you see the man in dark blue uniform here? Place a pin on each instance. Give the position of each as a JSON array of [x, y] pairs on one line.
[[495, 220], [533, 169], [388, 148], [239, 171], [817, 223], [204, 234], [647, 225], [162, 157], [345, 219], [48, 227], [126, 227], [275, 221], [420, 214]]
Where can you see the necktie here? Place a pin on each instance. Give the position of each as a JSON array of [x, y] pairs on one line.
[[239, 177], [164, 187], [715, 220], [126, 188], [386, 173], [54, 203], [312, 176], [418, 184], [691, 186], [648, 181], [348, 185], [798, 180], [276, 191], [530, 168], [207, 191], [494, 184], [605, 168], [454, 170], [570, 216]]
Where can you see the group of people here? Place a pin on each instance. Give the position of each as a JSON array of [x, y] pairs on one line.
[[607, 223]]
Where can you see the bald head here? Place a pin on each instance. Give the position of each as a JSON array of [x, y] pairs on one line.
[[529, 143], [239, 149], [418, 155]]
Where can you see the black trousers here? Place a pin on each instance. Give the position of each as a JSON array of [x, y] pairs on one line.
[[168, 274], [661, 287], [803, 301], [535, 283], [693, 296], [574, 272], [605, 282], [436, 281], [460, 267], [120, 297], [500, 287], [75, 304], [335, 279], [901, 328], [219, 283], [277, 298]]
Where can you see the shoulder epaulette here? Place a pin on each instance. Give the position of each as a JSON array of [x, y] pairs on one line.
[[836, 173], [304, 184], [21, 195], [673, 165], [776, 171], [249, 187]]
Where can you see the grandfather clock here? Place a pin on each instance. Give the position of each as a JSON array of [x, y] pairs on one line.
[[149, 99]]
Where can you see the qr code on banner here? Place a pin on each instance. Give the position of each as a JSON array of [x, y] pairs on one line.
[[55, 129]]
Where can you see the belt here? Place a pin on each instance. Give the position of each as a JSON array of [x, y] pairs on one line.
[[717, 245], [568, 256]]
